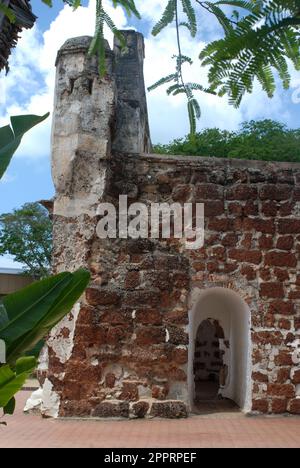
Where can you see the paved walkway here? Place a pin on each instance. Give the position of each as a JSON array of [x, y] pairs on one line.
[[222, 430]]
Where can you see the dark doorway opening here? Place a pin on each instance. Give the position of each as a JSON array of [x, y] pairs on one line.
[[210, 371]]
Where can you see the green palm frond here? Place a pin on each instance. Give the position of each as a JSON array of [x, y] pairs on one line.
[[245, 5], [73, 3], [129, 7], [199, 87], [97, 46], [114, 29], [184, 24], [196, 108], [174, 88], [260, 37]]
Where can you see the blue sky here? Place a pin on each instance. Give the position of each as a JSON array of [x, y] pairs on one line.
[[29, 86]]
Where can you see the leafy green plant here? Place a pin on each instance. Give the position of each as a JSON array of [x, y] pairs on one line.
[[254, 46], [12, 380], [263, 140], [176, 82], [26, 234], [11, 136], [26, 317]]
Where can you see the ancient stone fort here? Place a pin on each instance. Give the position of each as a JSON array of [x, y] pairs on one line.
[[161, 327]]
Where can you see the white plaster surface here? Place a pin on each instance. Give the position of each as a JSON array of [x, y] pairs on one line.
[[50, 401], [61, 346], [34, 401]]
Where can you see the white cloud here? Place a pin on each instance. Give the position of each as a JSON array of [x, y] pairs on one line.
[[6, 261], [30, 85]]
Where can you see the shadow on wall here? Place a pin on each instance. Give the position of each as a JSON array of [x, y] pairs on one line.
[[220, 324]]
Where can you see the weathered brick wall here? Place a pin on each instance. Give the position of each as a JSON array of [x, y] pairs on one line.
[[252, 246], [124, 349], [131, 339]]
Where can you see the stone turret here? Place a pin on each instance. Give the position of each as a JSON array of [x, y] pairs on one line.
[[132, 133], [84, 112]]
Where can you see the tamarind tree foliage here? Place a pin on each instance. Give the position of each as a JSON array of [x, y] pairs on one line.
[[259, 39]]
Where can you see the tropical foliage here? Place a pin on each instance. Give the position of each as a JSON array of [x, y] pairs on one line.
[[26, 234], [264, 140], [255, 45], [12, 380], [11, 136], [26, 317]]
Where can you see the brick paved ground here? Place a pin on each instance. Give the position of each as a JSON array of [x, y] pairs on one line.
[[222, 430]]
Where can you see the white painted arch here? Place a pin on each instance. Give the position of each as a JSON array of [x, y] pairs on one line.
[[233, 314]]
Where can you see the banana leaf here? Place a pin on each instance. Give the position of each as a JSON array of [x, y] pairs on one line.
[[11, 136], [36, 309], [25, 308], [11, 381]]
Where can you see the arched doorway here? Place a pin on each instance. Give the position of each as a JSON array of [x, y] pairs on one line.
[[220, 349]]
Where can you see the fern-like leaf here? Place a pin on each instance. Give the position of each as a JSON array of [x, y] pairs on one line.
[[167, 17], [191, 16], [192, 118], [196, 108], [162, 81], [221, 17], [259, 44], [172, 89], [114, 29]]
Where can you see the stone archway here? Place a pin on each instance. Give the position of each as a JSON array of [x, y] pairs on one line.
[[225, 318]]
